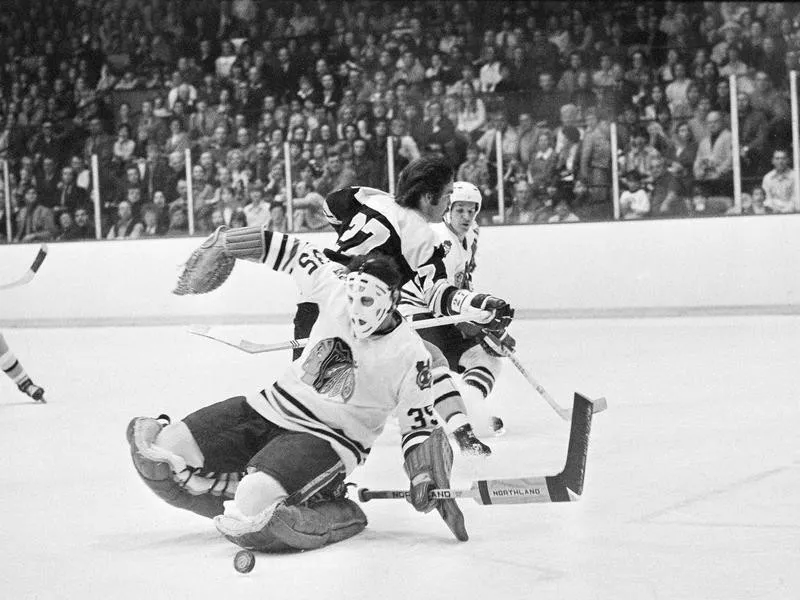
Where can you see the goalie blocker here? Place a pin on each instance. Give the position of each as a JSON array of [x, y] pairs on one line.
[[566, 486]]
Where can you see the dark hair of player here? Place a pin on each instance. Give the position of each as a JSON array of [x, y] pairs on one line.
[[425, 175], [379, 265]]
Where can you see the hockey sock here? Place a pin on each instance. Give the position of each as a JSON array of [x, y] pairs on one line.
[[10, 365], [447, 399]]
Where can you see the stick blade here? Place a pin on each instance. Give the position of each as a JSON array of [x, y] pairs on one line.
[[567, 486]]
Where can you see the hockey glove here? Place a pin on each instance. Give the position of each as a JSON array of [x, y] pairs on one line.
[[464, 302], [208, 267], [428, 466]]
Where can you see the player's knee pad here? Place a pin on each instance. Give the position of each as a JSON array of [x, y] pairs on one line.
[[480, 369], [297, 527], [258, 491], [167, 474]]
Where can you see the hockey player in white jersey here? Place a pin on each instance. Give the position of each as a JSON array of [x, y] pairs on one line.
[[293, 442], [464, 346]]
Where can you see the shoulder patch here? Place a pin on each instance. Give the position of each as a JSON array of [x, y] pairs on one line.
[[424, 374], [447, 245]]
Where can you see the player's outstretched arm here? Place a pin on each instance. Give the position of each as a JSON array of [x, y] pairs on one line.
[[210, 265]]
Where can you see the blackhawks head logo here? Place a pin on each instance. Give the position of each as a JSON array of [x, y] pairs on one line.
[[424, 374], [330, 369]]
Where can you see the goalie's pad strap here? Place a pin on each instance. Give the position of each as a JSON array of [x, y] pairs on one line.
[[158, 475], [298, 527]]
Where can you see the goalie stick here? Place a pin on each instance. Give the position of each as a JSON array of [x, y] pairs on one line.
[[29, 274], [566, 486], [240, 343]]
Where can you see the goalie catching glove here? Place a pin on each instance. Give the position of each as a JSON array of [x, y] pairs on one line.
[[211, 264], [208, 267], [428, 466]]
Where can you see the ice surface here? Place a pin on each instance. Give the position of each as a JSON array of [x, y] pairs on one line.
[[691, 491]]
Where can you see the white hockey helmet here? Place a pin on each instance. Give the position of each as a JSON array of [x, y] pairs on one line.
[[370, 299], [463, 191]]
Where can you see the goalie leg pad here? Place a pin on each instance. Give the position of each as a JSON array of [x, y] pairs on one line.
[[299, 527], [158, 474], [428, 466]]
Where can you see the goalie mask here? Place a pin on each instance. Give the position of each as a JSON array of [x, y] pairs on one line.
[[463, 200], [370, 298]]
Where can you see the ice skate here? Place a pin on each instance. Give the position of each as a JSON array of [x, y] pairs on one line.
[[31, 389]]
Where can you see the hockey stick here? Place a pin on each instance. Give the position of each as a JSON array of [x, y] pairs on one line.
[[29, 274], [566, 486], [211, 332], [599, 405]]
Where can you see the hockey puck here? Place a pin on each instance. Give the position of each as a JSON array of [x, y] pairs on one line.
[[244, 561]]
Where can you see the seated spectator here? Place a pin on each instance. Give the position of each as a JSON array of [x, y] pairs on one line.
[[583, 96], [472, 116], [563, 213], [152, 226], [714, 162], [666, 196], [752, 203], [705, 204], [47, 183], [34, 222], [509, 140], [753, 130], [178, 222], [126, 227], [474, 170], [568, 161], [335, 176], [437, 128], [365, 169], [277, 214], [778, 185], [595, 173], [519, 209], [542, 168], [124, 146], [67, 229], [308, 213], [257, 209], [637, 158], [178, 140], [634, 202], [682, 152], [84, 227]]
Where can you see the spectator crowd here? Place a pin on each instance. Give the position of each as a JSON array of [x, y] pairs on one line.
[[141, 83]]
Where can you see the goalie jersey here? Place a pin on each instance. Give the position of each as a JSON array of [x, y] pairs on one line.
[[459, 264], [367, 219], [343, 389]]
